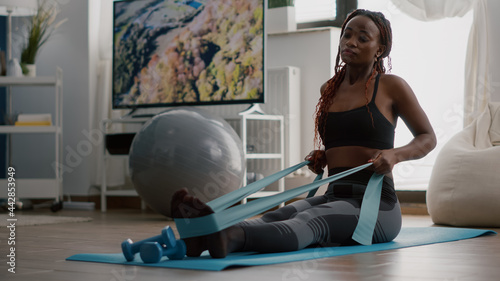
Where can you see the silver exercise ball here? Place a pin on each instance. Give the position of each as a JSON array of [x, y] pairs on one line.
[[185, 147]]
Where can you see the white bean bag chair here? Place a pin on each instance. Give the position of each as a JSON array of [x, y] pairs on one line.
[[464, 188]]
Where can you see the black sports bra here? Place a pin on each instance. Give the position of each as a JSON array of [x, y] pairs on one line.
[[355, 128]]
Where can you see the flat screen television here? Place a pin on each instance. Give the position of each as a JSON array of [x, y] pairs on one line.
[[173, 52]]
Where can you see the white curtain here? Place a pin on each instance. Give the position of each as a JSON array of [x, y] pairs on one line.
[[116, 167], [477, 78], [428, 10], [476, 89]]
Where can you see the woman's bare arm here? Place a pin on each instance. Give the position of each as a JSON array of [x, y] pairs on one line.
[[407, 107]]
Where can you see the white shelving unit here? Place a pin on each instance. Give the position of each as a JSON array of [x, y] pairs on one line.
[[105, 156], [38, 187], [277, 152], [246, 130]]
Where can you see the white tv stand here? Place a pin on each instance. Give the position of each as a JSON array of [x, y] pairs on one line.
[[105, 156]]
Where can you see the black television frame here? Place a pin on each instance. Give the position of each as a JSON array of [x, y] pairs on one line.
[[134, 107]]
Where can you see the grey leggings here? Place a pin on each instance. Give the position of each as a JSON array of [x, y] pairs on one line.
[[327, 220]]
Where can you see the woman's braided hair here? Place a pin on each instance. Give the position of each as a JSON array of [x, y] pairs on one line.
[[332, 85]]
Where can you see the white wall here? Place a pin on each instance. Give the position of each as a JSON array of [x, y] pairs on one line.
[[68, 49], [314, 52]]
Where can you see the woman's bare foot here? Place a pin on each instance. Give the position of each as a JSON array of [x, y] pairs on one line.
[[182, 207], [218, 244]]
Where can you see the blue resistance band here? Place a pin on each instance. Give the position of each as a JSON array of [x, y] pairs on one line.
[[312, 192], [223, 218], [221, 203], [369, 211]]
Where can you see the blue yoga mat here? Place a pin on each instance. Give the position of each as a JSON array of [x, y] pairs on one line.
[[408, 237]]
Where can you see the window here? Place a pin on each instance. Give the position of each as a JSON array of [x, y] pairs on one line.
[[315, 13]]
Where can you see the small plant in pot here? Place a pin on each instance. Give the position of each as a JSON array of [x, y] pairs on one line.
[[40, 27], [280, 3]]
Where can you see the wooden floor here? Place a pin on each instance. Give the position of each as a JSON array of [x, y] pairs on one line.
[[41, 252]]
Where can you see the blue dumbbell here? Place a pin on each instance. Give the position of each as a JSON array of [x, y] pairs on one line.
[[152, 252], [167, 238]]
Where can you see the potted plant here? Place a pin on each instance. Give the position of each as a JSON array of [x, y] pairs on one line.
[[281, 16], [39, 29], [280, 3]]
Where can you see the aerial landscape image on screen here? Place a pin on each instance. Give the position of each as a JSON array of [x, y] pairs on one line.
[[187, 52]]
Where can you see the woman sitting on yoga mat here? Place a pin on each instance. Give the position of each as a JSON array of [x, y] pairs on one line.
[[355, 121]]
